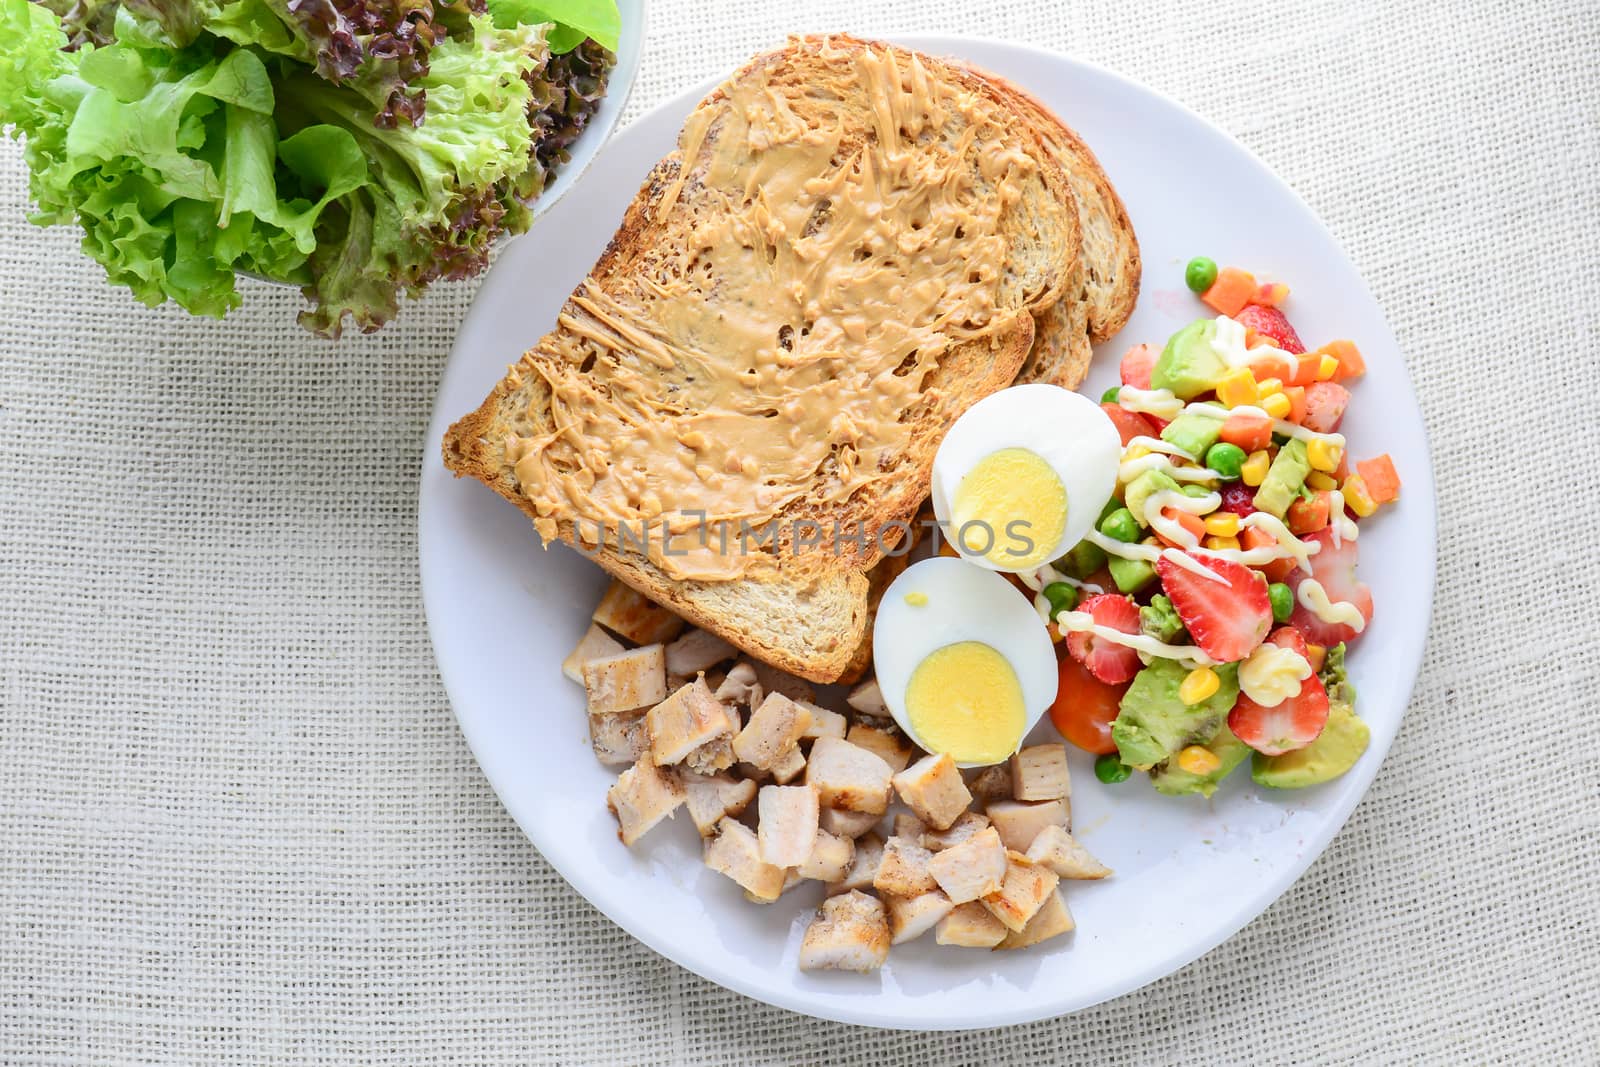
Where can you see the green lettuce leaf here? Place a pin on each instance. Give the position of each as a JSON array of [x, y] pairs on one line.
[[575, 20]]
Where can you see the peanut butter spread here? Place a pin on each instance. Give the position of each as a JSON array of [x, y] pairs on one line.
[[822, 244]]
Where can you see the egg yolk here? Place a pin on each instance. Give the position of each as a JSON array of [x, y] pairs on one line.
[[965, 699], [1011, 509]]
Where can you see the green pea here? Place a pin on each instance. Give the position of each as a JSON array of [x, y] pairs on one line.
[[1062, 597], [1121, 526], [1199, 274], [1227, 460], [1110, 395], [1111, 770], [1282, 598]]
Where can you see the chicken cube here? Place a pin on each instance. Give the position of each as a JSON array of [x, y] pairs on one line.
[[830, 858], [970, 925], [867, 698], [850, 933], [710, 798], [626, 681], [696, 651], [1026, 887], [863, 865], [642, 796], [967, 824], [911, 917], [739, 686], [734, 851], [1051, 920], [595, 644], [1019, 821], [850, 824], [773, 729], [887, 743], [713, 756], [991, 783], [824, 723], [629, 613], [775, 681], [934, 789], [687, 720], [789, 766], [1039, 772], [971, 869], [848, 776], [620, 739], [903, 869], [908, 826], [786, 823], [1058, 850]]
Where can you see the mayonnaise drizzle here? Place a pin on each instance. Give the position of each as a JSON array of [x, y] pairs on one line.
[[1129, 469], [1083, 622], [1158, 402], [1315, 599], [1046, 575], [1156, 444], [1279, 426]]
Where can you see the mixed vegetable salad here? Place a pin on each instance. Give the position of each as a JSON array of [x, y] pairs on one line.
[[360, 149], [1206, 618]]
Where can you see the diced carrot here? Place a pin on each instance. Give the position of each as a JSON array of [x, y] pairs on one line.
[[1256, 537], [1308, 516], [1383, 482], [1297, 402], [1305, 368], [1194, 524], [1230, 292], [1250, 432], [1270, 366], [1351, 365], [1251, 337]]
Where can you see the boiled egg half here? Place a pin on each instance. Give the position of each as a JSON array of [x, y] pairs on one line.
[[964, 662], [1022, 476]]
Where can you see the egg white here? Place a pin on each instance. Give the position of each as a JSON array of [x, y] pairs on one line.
[[964, 603], [1065, 429]]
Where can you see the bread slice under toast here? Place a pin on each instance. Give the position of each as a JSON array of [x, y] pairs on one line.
[[803, 612]]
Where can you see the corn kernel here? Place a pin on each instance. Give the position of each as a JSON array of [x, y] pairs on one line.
[[1316, 655], [1134, 452], [1222, 524], [1198, 685], [1196, 759], [1222, 544], [1321, 480], [1238, 388], [1357, 497], [1327, 367], [1269, 386], [1323, 455], [1254, 471], [1277, 405]]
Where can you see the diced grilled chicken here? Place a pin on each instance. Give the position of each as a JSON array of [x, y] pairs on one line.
[[867, 698], [789, 766], [773, 729], [970, 925], [710, 798], [848, 776], [824, 723], [1039, 772], [687, 720], [850, 824], [595, 644], [740, 685], [775, 681], [734, 851], [626, 681], [830, 858], [991, 783], [643, 795], [1051, 920], [971, 869], [1019, 822], [850, 933], [1026, 887], [863, 865], [786, 823], [908, 826], [966, 824], [911, 917], [620, 739], [1058, 850], [635, 616], [935, 790], [903, 870], [713, 756], [888, 744], [695, 651]]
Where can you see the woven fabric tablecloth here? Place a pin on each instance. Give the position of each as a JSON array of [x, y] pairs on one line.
[[238, 823]]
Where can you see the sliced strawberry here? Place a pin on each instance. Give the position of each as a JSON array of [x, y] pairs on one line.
[[1129, 424], [1138, 364], [1110, 662], [1325, 404], [1335, 568], [1290, 638], [1227, 619], [1270, 323], [1294, 723], [1239, 499]]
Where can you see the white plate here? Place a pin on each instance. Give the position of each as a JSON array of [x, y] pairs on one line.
[[1189, 873]]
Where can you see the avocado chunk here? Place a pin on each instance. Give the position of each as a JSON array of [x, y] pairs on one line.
[[1189, 365], [1131, 575], [1193, 432], [1284, 479], [1153, 722], [1334, 679], [1335, 751], [1082, 560], [1159, 619], [1174, 781], [1147, 485]]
